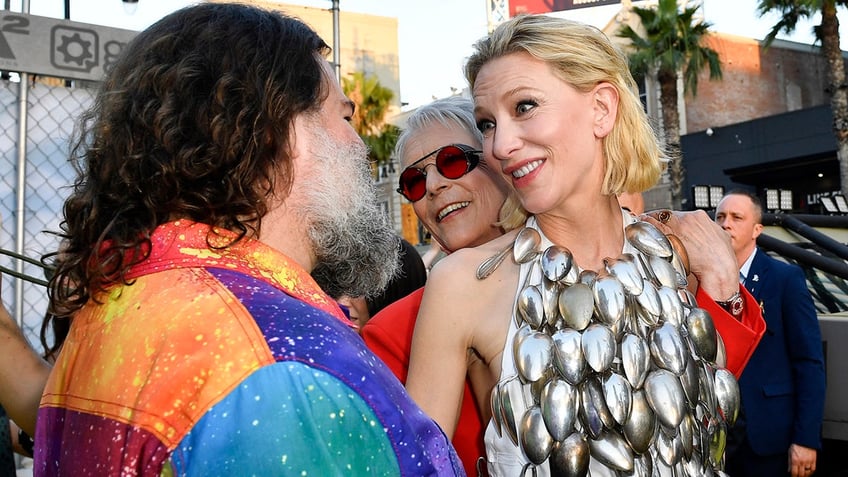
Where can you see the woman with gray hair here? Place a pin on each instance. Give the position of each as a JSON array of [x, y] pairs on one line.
[[459, 199]]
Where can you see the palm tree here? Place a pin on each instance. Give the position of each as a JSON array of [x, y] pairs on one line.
[[828, 34], [369, 120], [673, 42]]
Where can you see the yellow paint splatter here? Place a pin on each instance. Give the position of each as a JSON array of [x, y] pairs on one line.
[[200, 252]]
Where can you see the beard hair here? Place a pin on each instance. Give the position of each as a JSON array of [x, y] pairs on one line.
[[356, 249]]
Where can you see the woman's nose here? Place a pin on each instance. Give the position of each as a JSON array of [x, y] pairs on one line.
[[505, 141], [435, 180]]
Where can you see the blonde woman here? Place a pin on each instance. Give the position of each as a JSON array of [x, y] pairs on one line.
[[554, 100]]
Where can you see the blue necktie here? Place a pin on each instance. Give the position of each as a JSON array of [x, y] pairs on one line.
[[741, 278]]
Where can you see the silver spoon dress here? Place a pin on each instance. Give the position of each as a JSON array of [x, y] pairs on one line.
[[624, 375]]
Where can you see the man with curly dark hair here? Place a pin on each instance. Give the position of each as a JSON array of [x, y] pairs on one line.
[[217, 169]]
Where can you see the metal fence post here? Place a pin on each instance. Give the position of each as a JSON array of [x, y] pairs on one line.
[[23, 96]]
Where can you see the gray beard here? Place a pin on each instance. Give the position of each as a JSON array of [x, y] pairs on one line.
[[355, 247]]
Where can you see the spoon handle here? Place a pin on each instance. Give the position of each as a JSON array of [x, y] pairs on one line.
[[492, 263]]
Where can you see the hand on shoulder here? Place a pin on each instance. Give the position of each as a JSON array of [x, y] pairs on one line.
[[712, 262]]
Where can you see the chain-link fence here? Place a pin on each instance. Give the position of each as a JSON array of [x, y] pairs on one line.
[[51, 113]]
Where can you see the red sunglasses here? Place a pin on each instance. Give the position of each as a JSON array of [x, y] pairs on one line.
[[452, 162]]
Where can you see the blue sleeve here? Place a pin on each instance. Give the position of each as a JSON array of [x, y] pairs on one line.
[[287, 419]]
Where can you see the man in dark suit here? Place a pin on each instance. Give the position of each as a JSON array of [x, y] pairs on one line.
[[783, 386]]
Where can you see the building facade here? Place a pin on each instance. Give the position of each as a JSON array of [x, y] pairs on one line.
[[766, 125]]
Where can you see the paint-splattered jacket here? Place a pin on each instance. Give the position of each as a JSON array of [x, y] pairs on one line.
[[226, 362]]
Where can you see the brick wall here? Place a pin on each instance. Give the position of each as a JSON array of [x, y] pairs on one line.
[[756, 82]]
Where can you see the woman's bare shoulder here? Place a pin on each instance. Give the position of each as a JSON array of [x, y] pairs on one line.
[[464, 262], [454, 290]]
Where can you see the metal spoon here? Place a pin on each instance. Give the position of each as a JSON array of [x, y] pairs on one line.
[[727, 395], [559, 402], [612, 450], [524, 248], [648, 239], [641, 425], [526, 245], [665, 396], [635, 359], [668, 348], [576, 304], [530, 306], [570, 458], [492, 263], [702, 333], [568, 355], [533, 437]]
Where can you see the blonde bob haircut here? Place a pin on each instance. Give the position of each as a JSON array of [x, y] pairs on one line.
[[583, 57]]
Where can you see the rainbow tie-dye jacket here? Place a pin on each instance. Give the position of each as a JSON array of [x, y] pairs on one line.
[[226, 362]]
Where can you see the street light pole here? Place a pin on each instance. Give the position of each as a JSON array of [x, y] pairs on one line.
[[130, 6], [336, 44]]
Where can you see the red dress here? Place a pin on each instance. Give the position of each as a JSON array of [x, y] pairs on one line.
[[389, 335]]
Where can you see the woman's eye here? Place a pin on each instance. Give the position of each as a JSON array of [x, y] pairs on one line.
[[525, 106], [485, 125]]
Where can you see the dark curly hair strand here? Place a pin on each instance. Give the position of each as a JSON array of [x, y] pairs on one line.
[[192, 122]]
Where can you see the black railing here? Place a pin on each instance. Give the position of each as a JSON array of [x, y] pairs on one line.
[[23, 276], [823, 258]]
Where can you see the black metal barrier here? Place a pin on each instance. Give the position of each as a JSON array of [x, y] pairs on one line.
[[804, 257]]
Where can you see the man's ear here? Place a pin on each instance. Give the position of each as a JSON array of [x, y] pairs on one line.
[[605, 102], [758, 229]]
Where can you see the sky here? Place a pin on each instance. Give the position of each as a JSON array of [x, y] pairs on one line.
[[434, 36]]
